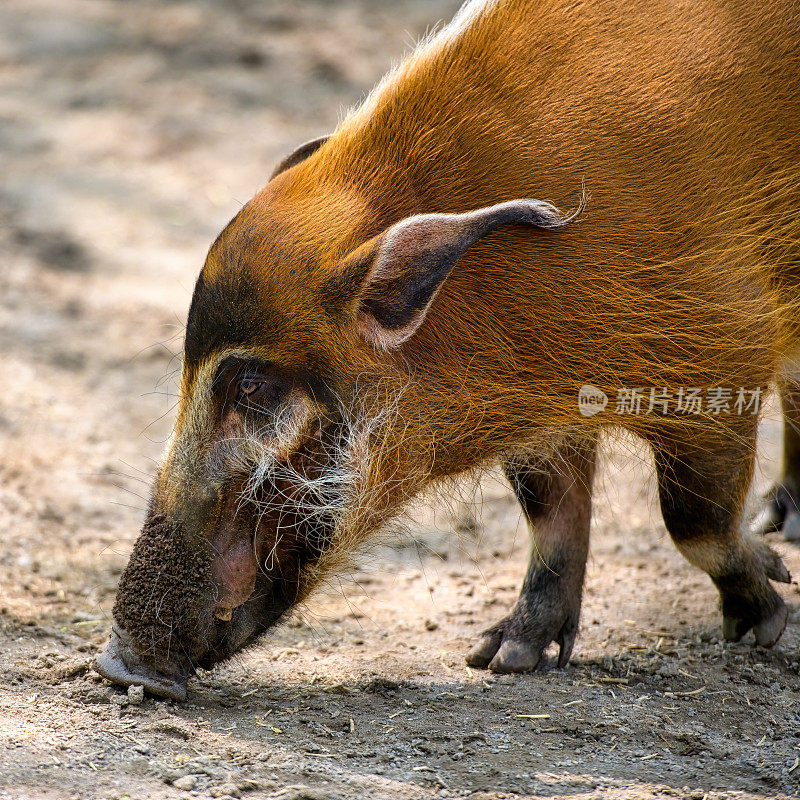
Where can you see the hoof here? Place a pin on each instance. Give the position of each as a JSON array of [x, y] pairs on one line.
[[733, 628], [781, 513], [769, 631], [484, 651], [517, 643], [515, 656], [773, 565]]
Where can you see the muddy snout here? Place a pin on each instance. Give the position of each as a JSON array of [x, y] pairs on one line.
[[180, 599], [120, 664], [162, 620]]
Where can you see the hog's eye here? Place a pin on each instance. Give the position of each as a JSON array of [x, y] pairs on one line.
[[257, 392], [249, 386]]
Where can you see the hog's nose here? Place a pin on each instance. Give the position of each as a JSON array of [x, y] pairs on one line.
[[120, 664]]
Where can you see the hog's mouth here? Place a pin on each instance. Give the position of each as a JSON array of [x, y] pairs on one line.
[[120, 663], [247, 623]]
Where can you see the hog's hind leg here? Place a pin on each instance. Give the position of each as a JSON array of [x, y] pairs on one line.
[[782, 512], [702, 489], [556, 499]]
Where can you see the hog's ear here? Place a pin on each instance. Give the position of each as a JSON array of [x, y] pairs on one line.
[[300, 154], [401, 270]]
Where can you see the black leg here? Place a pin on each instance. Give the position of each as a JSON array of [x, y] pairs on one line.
[[782, 511], [556, 498], [702, 490]]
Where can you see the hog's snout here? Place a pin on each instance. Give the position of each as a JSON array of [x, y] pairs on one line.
[[162, 620], [186, 599], [192, 595], [120, 664]]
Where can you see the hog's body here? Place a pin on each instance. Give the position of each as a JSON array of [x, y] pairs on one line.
[[360, 330]]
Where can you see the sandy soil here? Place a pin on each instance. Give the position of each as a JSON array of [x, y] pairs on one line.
[[129, 133]]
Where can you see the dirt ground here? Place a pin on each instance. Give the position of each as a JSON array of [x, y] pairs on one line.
[[129, 133]]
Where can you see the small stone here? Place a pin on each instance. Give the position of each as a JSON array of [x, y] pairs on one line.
[[186, 783], [225, 790], [135, 694], [304, 793], [169, 776], [430, 625]]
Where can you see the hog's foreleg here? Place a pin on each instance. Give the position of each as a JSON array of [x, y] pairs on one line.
[[556, 498]]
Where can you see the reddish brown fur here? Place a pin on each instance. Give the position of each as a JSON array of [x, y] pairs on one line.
[[672, 116]]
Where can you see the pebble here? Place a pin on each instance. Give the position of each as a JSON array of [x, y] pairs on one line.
[[186, 783], [135, 694], [225, 790]]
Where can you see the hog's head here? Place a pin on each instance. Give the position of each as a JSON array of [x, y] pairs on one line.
[[304, 421]]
